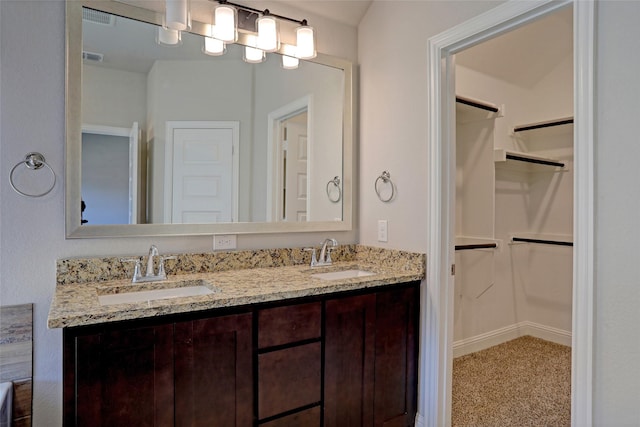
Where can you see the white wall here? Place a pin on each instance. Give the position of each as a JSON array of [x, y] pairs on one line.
[[392, 53], [617, 297], [393, 136], [32, 230], [113, 97]]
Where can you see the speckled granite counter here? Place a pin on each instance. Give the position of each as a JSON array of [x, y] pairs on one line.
[[238, 278]]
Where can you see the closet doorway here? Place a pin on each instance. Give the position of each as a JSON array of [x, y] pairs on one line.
[[514, 227], [439, 294]]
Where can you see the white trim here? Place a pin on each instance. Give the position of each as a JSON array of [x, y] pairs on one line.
[[171, 125], [434, 400], [583, 207], [508, 333], [274, 166]]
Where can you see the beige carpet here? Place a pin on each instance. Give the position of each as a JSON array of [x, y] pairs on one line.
[[524, 382]]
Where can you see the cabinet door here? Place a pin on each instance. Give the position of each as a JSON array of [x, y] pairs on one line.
[[349, 361], [213, 372], [121, 378], [396, 357]]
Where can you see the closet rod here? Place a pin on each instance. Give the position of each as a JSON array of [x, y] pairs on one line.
[[476, 246], [543, 241], [543, 125], [538, 161], [477, 104]]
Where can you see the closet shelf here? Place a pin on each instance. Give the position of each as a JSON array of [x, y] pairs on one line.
[[468, 109], [541, 241], [531, 163], [468, 243], [543, 125]]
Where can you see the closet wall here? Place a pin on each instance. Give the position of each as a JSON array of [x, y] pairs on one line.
[[516, 288]]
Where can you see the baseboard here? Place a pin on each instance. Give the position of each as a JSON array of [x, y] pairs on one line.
[[508, 333]]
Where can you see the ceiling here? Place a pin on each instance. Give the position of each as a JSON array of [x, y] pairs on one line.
[[525, 55], [349, 12]]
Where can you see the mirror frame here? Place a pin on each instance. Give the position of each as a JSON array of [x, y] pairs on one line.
[[73, 149]]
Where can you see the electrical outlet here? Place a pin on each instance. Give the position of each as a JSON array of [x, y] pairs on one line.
[[382, 230], [224, 242]]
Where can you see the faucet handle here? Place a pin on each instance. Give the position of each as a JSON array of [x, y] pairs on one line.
[[161, 271], [314, 258], [136, 269]]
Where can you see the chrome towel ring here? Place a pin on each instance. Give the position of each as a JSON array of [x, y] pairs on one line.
[[32, 161], [336, 183], [385, 176]]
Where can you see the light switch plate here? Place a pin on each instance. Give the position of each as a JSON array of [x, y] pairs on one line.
[[382, 230]]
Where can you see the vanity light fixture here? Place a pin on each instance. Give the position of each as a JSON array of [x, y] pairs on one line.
[[252, 54], [225, 30], [290, 62], [305, 41], [268, 32], [225, 23], [213, 47], [178, 14], [168, 37]]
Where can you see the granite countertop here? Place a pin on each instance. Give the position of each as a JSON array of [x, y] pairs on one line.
[[77, 304]]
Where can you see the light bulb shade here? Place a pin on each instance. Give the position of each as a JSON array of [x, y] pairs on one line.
[[225, 24], [168, 37], [213, 47], [289, 62], [253, 55], [306, 42], [268, 33], [177, 15]]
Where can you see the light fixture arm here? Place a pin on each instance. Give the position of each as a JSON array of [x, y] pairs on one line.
[[263, 12]]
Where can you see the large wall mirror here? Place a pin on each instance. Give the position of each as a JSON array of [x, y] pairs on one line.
[[166, 140]]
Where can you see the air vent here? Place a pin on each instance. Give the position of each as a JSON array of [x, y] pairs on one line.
[[98, 17], [92, 56]]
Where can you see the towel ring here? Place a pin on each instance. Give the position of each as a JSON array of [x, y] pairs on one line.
[[32, 161], [385, 176], [336, 183]]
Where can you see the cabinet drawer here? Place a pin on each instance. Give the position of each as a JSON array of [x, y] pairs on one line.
[[306, 418], [288, 379], [283, 325]]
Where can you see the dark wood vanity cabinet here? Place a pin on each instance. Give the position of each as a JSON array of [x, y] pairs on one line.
[[334, 361], [371, 352], [213, 372], [119, 377]]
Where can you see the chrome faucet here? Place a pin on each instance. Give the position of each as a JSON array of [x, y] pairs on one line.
[[150, 275], [325, 253], [153, 252]]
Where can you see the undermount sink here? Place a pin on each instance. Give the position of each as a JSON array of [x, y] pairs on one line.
[[153, 291], [343, 274]]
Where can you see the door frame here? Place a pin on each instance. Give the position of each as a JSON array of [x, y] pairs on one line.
[[133, 133], [274, 166], [436, 340], [168, 160]]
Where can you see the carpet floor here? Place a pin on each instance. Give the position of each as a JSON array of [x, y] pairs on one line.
[[523, 382]]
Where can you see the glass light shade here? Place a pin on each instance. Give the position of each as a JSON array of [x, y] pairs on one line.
[[213, 47], [168, 37], [268, 34], [253, 55], [306, 42], [289, 62], [225, 24], [178, 15]]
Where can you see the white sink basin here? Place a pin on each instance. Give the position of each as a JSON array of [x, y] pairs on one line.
[[141, 293], [344, 274]]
